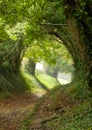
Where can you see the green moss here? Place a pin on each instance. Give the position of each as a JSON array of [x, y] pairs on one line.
[[77, 104]]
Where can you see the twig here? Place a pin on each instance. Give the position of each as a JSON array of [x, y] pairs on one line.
[[53, 24]]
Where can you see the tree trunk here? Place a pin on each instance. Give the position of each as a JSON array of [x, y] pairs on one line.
[[80, 45], [17, 58], [32, 66], [11, 59]]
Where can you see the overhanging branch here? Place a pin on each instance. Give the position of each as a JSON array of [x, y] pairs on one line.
[[64, 42], [53, 24], [57, 35]]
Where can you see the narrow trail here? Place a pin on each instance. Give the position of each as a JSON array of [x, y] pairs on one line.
[[12, 110]]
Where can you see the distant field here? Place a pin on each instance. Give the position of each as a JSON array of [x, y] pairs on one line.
[[48, 81], [35, 87]]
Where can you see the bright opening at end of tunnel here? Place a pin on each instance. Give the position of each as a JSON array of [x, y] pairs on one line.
[[39, 66]]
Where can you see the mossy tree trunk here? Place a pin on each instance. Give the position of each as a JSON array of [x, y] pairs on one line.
[[12, 59], [31, 66], [10, 78], [80, 42]]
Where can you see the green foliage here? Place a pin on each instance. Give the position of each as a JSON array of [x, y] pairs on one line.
[[75, 114], [49, 81], [4, 51], [50, 51], [34, 20], [54, 12], [31, 22], [5, 64], [78, 118], [12, 83], [17, 9]]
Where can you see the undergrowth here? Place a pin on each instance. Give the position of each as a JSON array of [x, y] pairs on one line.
[[12, 83], [73, 103]]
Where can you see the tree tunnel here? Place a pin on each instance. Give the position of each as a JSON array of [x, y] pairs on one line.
[[40, 26], [47, 60]]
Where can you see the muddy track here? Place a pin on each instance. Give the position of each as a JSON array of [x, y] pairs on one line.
[[14, 109]]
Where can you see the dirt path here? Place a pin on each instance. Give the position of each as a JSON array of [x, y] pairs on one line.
[[12, 110]]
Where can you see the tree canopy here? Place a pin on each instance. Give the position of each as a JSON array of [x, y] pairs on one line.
[[25, 23]]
